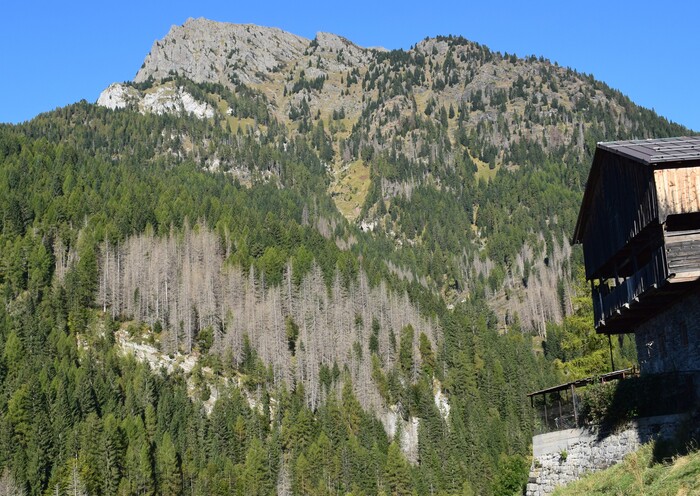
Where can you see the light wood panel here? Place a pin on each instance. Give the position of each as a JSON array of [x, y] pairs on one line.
[[677, 191]]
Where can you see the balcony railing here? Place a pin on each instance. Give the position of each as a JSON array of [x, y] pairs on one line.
[[612, 399], [608, 302], [559, 407]]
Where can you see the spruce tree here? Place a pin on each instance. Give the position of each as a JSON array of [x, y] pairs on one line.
[[168, 468], [397, 472]]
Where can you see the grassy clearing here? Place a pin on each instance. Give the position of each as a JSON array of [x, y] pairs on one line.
[[639, 474], [350, 189], [482, 169], [537, 344], [234, 122]]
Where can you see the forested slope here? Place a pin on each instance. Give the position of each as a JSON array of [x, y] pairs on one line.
[[77, 414]]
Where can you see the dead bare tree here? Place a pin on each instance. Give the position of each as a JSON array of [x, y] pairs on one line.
[[182, 281]]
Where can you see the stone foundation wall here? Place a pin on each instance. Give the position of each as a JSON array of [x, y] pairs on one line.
[[670, 342], [564, 456]]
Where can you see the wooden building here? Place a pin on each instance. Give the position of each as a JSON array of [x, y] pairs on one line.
[[639, 224]]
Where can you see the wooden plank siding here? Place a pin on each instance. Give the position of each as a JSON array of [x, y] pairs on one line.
[[623, 203], [677, 190], [683, 255]]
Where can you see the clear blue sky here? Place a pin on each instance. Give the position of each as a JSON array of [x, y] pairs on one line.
[[56, 53]]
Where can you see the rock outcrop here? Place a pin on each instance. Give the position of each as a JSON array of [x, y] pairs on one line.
[[165, 99], [118, 96], [347, 54], [216, 52]]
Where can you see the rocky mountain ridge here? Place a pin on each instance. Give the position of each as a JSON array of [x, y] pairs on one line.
[[204, 51], [498, 100], [516, 99]]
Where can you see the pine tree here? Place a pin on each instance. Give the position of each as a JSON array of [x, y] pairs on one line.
[[397, 472], [144, 479], [91, 454], [168, 468], [303, 476], [113, 455], [40, 451], [256, 474]]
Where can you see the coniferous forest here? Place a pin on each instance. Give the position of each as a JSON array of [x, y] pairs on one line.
[[188, 305]]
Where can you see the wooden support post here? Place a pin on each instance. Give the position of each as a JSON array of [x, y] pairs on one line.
[[573, 400], [561, 415], [612, 361]]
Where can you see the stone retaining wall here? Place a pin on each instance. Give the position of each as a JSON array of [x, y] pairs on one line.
[[564, 456]]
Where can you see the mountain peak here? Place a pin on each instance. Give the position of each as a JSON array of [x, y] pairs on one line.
[[208, 51]]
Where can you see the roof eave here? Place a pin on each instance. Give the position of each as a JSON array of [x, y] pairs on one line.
[[587, 197]]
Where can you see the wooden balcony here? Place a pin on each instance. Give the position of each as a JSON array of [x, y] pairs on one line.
[[618, 309], [670, 271], [559, 407]]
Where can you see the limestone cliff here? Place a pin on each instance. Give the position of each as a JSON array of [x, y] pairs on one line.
[[215, 52], [164, 99]]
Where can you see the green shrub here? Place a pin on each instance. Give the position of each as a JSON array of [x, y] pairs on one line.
[[614, 403], [596, 402]]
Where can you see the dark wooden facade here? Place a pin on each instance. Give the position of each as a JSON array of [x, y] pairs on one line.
[[640, 228]]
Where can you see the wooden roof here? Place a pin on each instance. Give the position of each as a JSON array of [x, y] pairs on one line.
[[655, 153], [610, 376]]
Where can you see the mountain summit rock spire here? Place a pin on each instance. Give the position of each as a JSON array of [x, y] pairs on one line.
[[216, 52]]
